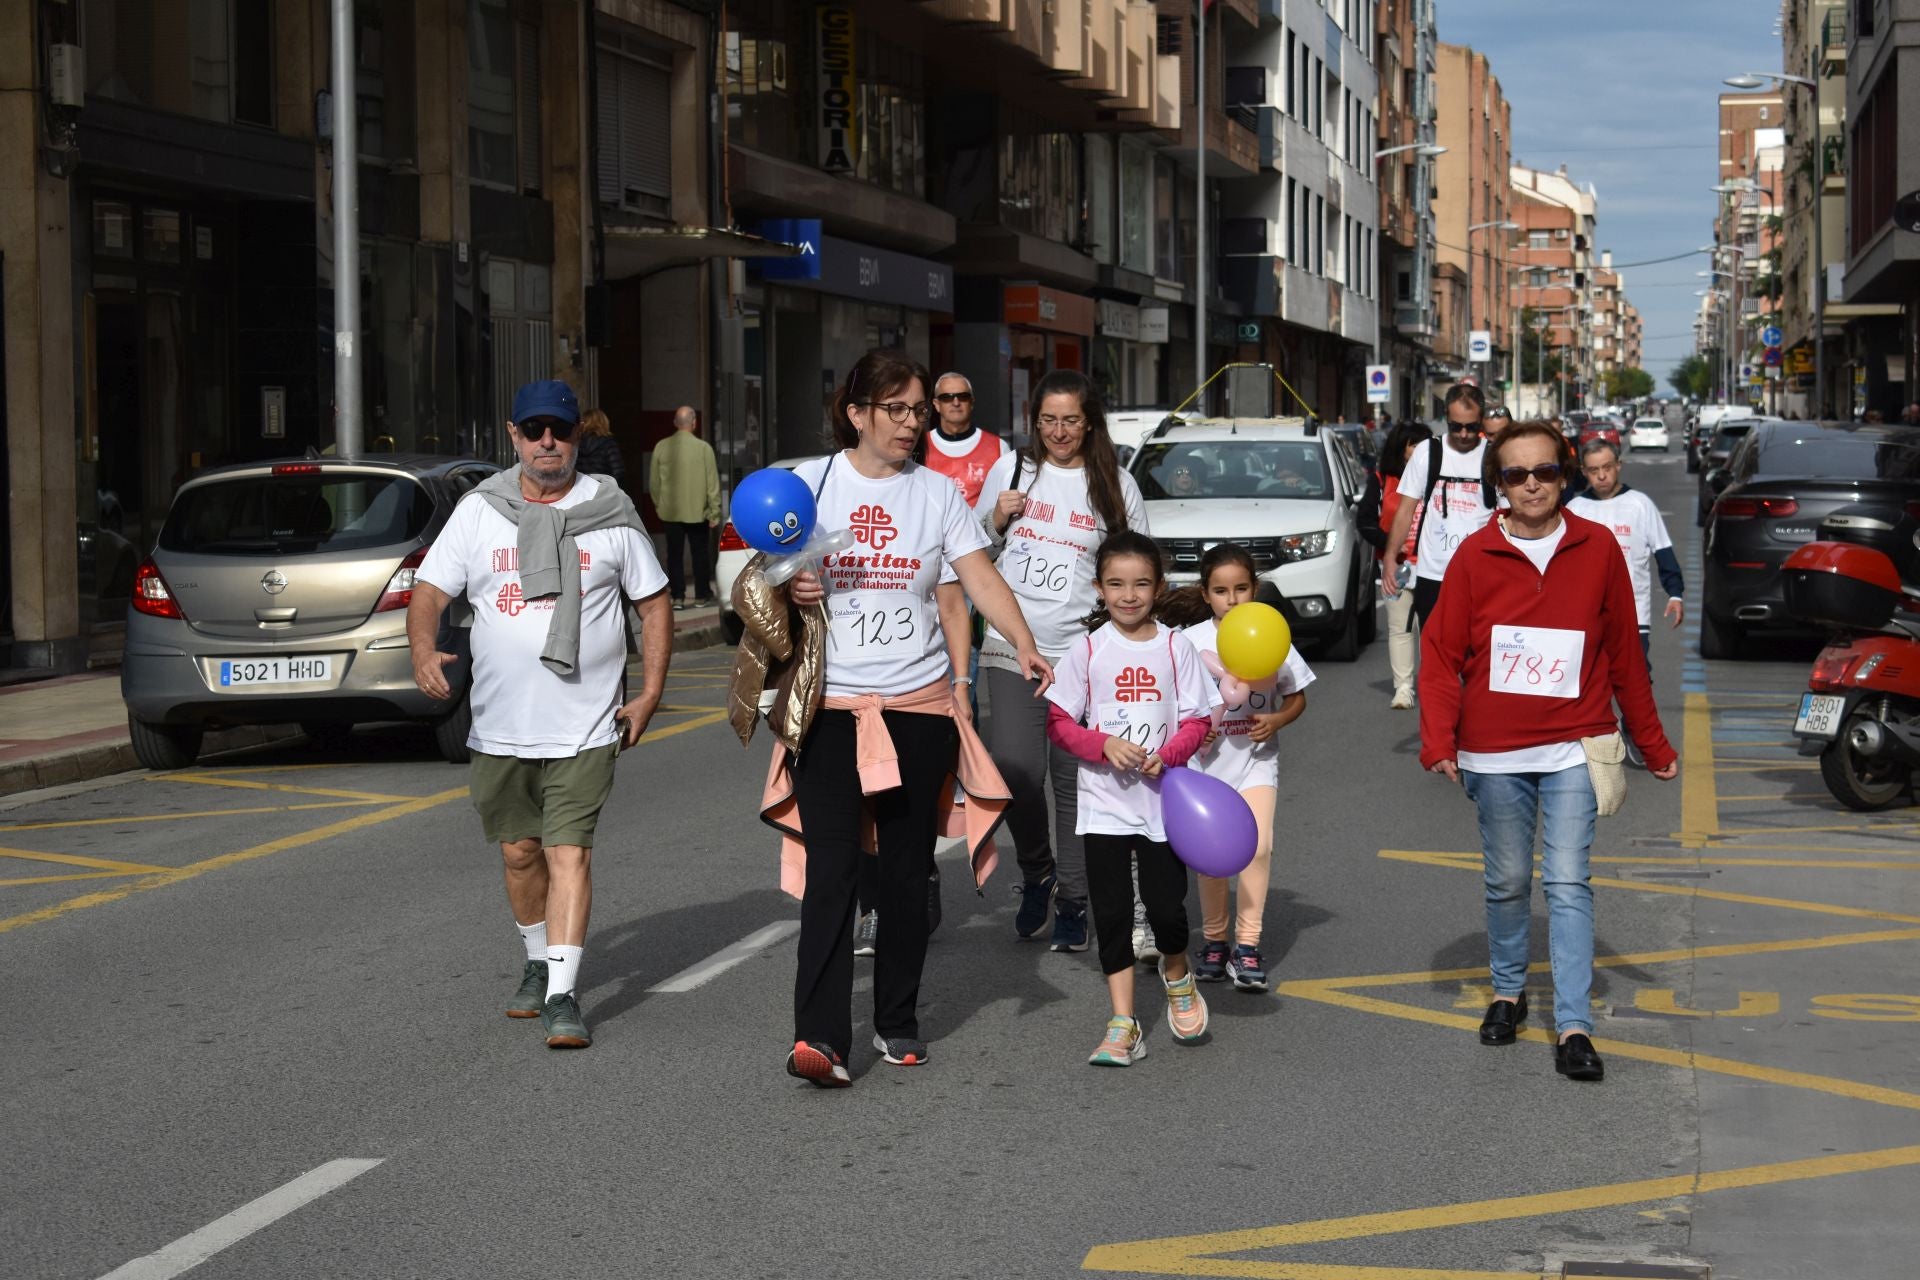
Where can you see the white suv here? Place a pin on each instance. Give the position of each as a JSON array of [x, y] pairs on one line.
[[1284, 490]]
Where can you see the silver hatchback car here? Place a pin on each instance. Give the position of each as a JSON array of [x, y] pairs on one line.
[[277, 593]]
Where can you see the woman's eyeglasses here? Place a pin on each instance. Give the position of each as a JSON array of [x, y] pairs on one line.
[[957, 397], [1514, 477], [533, 428], [899, 410], [1072, 422]]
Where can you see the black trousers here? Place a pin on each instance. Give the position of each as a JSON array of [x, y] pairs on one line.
[[827, 787], [695, 536], [1163, 889], [1426, 594]]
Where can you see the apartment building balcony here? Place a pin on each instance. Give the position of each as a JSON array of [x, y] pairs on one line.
[[1833, 42], [1247, 11], [1267, 128], [1105, 47], [1233, 146], [1255, 282]]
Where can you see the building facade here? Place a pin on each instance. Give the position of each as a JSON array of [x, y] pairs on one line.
[[1471, 208], [1552, 317], [1813, 243], [1405, 46], [1883, 169]]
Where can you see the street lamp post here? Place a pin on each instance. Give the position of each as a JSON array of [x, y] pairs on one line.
[[1753, 80], [346, 237], [1479, 226], [1425, 150]]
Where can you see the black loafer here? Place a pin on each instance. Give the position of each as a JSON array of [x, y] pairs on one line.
[[1576, 1059], [1502, 1020]]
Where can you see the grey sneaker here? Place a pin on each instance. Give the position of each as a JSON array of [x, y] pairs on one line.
[[566, 1029], [901, 1051], [866, 934], [532, 993]]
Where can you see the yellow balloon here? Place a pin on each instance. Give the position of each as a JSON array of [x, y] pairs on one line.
[[1253, 641]]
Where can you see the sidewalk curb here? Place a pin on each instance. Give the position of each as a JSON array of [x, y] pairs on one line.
[[83, 764]]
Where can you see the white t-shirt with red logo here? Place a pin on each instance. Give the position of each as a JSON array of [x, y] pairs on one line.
[[1455, 509], [520, 708], [1235, 758], [1048, 557], [1137, 689], [884, 635], [1635, 523], [965, 461]]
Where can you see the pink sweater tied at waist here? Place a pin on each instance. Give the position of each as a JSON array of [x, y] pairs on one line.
[[974, 813]]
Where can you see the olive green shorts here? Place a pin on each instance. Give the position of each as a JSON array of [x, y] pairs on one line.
[[558, 801]]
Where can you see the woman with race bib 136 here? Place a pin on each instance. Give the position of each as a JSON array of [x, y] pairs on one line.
[[883, 744], [1049, 507]]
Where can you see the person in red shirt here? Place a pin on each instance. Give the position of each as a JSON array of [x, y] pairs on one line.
[[1534, 637], [956, 448]]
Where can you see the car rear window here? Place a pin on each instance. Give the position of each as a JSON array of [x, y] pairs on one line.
[[278, 515], [1232, 469], [1840, 455]]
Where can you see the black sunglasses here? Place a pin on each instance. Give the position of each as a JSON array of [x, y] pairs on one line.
[[1464, 427], [958, 397], [534, 428], [1514, 477]]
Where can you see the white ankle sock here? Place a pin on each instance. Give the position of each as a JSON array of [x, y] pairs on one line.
[[563, 970], [535, 937]]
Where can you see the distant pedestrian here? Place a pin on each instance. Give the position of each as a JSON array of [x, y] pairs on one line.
[[599, 452], [550, 560], [685, 486], [1911, 415], [956, 448], [1379, 510], [1454, 499], [1528, 649]]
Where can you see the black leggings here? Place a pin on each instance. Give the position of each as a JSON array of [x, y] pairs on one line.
[[827, 788], [1163, 888]]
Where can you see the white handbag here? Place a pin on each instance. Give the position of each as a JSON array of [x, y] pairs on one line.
[[1607, 766]]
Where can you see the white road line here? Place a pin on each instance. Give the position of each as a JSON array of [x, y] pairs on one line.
[[720, 961], [191, 1250]]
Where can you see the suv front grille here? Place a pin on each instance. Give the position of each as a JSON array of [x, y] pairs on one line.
[[1183, 554]]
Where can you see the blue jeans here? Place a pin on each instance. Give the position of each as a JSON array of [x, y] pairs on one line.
[[1561, 804]]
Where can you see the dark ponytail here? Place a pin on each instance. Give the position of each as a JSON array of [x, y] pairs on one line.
[[878, 374]]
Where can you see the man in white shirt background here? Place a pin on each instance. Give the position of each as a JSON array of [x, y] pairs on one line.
[[1451, 495]]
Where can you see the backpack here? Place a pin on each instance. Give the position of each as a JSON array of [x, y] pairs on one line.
[[1433, 481]]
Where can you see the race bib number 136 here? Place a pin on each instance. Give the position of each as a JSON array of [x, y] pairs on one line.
[[1541, 662]]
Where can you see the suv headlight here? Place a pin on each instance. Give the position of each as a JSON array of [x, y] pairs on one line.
[[1308, 546]]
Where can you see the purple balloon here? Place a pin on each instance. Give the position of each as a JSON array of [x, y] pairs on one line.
[[1209, 825]]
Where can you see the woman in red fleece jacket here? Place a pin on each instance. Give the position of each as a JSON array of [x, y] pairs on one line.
[[1535, 636]]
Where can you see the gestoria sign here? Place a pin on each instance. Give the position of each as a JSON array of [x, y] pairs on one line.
[[834, 43]]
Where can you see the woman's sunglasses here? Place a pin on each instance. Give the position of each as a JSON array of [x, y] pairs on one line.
[[533, 428], [1514, 477]]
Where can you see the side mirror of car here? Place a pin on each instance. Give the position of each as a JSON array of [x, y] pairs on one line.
[[1718, 479]]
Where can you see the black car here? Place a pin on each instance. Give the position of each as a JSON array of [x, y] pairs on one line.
[[1698, 434], [1782, 482], [1715, 456]]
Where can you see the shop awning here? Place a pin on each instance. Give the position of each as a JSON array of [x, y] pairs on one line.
[[639, 251]]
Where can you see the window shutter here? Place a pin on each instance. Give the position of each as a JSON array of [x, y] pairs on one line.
[[646, 156], [607, 112], [529, 149]]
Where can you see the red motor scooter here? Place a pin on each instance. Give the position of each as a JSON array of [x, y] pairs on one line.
[[1861, 711]]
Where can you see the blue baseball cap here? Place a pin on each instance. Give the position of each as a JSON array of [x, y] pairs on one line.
[[549, 399]]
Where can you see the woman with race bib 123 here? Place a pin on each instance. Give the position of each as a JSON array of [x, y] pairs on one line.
[[1049, 507]]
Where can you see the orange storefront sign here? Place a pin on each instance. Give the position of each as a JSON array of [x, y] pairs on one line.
[[1038, 307]]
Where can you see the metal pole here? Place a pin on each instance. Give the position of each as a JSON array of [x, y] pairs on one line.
[[1200, 199], [1819, 269], [346, 239]]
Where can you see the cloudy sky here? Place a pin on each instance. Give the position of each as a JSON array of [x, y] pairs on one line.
[[1624, 93]]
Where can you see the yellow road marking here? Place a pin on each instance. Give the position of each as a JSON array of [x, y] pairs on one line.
[[1730, 832], [1840, 864], [175, 817], [77, 860], [1699, 807], [1804, 848], [1749, 766], [654, 735], [1194, 1255], [83, 875], [246, 784], [175, 875]]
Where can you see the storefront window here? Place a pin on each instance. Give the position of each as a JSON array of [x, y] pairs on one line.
[[1166, 223], [207, 58], [503, 97], [112, 229], [1039, 181], [1136, 206], [1100, 231], [160, 235]]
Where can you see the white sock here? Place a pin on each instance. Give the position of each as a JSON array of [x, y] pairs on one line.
[[563, 970], [535, 937]]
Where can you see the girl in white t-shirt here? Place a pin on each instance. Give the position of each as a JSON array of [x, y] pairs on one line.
[[1132, 699], [1242, 752]]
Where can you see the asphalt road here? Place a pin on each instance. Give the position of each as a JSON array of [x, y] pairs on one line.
[[223, 987]]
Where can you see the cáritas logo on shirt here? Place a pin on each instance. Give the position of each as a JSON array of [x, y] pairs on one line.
[[1136, 684]]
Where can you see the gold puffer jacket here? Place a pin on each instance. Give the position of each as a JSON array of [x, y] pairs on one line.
[[770, 657]]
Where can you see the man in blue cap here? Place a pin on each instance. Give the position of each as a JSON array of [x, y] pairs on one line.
[[550, 559]]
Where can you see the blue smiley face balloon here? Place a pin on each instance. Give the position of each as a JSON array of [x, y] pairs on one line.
[[773, 511]]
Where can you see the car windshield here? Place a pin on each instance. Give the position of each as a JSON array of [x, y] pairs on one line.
[[268, 515], [1840, 455], [1232, 469]]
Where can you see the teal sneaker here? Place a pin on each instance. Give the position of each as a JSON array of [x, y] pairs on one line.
[[566, 1029], [532, 993]]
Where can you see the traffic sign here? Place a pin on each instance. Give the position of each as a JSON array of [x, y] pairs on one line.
[[1480, 346], [1771, 335], [1772, 357], [1379, 383]]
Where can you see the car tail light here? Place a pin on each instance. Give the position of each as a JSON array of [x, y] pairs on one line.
[[296, 468], [150, 593], [1752, 508], [399, 592], [730, 539]]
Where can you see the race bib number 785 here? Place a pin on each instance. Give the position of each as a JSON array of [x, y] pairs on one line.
[[1540, 662]]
